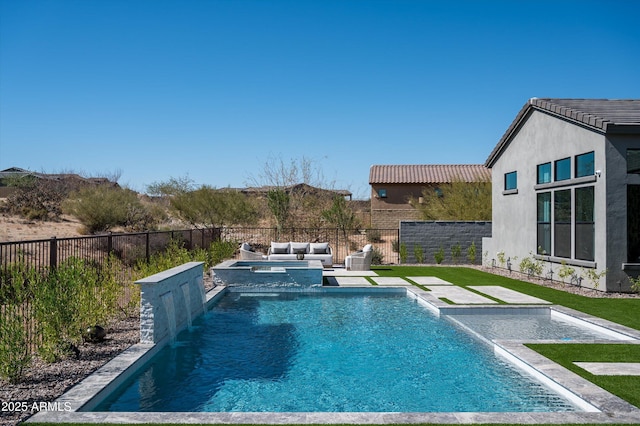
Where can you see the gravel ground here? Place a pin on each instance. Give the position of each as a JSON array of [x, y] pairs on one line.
[[44, 382]]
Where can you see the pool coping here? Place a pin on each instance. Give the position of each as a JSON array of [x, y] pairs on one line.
[[609, 408]]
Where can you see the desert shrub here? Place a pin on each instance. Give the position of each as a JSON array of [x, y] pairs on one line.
[[14, 346], [403, 253], [38, 199], [418, 253], [439, 255], [219, 251], [374, 236], [531, 267], [377, 257], [70, 298], [102, 208], [456, 252], [471, 253], [565, 271]]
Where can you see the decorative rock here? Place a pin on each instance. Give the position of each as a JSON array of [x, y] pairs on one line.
[[95, 334]]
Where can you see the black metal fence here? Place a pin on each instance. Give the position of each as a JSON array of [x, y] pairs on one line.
[[131, 248], [128, 247]]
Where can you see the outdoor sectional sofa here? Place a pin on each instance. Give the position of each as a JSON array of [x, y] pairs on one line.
[[291, 251], [299, 251]]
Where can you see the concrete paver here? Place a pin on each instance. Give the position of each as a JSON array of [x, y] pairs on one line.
[[459, 295], [390, 281], [611, 368], [507, 295], [349, 281], [429, 281]]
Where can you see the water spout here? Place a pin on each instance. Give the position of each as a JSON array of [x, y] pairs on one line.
[[169, 309], [187, 302]]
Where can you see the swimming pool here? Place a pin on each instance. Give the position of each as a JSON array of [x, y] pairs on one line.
[[296, 352]]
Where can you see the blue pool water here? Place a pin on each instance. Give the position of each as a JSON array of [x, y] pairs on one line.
[[298, 352]]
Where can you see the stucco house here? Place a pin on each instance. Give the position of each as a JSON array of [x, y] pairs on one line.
[[393, 185], [566, 191]]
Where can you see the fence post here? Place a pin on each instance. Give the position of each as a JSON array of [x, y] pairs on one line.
[[147, 250], [109, 243], [53, 253]]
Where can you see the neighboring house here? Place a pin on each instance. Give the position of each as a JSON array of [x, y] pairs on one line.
[[566, 190], [392, 186], [300, 188]]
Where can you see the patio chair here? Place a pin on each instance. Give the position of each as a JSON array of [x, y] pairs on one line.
[[360, 260], [248, 253]]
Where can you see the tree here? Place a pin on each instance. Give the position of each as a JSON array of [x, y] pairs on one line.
[[458, 200], [342, 216], [279, 203], [101, 208], [210, 207], [173, 186], [292, 196]]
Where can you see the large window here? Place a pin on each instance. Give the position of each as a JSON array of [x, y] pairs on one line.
[[585, 165], [510, 181], [544, 223], [544, 173], [633, 161], [584, 223], [562, 170], [562, 223]]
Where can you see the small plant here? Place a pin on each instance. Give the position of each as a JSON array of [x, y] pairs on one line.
[[485, 258], [502, 260], [374, 236], [395, 246], [439, 255], [471, 253], [456, 252], [418, 253], [377, 257], [565, 271], [403, 253], [594, 277], [635, 284], [14, 348], [531, 267]]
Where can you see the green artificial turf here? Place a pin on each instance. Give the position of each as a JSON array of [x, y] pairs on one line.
[[626, 387]]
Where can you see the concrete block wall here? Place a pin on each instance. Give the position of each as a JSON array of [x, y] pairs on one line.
[[391, 218], [431, 235]]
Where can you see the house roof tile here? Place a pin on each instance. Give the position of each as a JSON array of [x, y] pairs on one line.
[[601, 115], [427, 173]]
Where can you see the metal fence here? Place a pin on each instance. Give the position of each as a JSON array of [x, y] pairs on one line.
[[131, 248], [128, 247]]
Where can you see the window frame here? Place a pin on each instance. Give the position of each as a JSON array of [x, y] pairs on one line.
[[549, 172], [590, 171], [514, 181], [560, 162]]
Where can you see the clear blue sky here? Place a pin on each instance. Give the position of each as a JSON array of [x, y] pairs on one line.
[[212, 89]]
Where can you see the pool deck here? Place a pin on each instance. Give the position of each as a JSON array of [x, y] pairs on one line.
[[601, 406]]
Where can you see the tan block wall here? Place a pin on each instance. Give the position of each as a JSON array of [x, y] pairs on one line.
[[390, 218]]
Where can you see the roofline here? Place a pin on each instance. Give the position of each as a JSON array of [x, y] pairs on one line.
[[546, 106]]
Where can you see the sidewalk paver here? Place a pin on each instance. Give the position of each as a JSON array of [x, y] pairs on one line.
[[458, 295], [611, 368], [390, 281], [507, 295], [429, 281], [349, 281]]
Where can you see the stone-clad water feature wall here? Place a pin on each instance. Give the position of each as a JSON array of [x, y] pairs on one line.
[[169, 301]]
